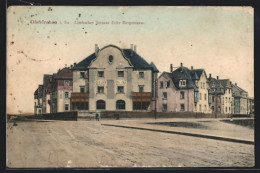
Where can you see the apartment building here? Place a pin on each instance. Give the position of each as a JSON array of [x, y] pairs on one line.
[[113, 79], [38, 100], [241, 100]]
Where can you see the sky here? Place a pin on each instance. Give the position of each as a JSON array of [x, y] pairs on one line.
[[217, 39]]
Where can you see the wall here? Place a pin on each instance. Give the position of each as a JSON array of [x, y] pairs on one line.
[[203, 90], [77, 81], [173, 100]]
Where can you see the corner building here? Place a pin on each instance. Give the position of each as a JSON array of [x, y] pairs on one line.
[[113, 79]]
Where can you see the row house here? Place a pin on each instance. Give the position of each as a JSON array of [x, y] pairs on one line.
[[241, 100], [183, 90], [112, 79], [38, 100], [46, 100], [60, 90], [220, 95]]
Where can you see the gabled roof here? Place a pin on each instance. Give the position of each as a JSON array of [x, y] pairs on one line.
[[237, 91], [225, 83], [196, 73], [65, 73], [136, 60], [183, 73], [215, 86]]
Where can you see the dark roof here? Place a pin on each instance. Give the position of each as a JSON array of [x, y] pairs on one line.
[[64, 73], [237, 91], [225, 83], [215, 86], [36, 92], [182, 73], [196, 73], [40, 91], [46, 82], [136, 60]]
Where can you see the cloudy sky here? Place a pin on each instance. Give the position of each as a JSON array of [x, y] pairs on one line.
[[218, 39]]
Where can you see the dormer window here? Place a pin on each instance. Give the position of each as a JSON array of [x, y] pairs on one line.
[[182, 83]]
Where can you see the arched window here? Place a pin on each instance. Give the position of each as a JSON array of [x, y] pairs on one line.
[[101, 104], [120, 104]]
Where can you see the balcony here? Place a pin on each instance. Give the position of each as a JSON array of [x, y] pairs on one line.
[[79, 97], [142, 96]]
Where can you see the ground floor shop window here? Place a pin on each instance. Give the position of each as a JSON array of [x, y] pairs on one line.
[[80, 105], [140, 105]]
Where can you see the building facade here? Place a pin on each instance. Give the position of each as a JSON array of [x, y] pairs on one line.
[[60, 90], [46, 100], [241, 100], [113, 79], [220, 96], [38, 103], [183, 90]]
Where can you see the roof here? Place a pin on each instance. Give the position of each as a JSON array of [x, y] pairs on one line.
[[237, 91], [63, 73], [215, 87], [136, 60], [46, 82], [40, 91], [183, 73], [225, 83], [196, 73]]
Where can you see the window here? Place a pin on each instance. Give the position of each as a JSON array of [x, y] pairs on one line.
[[82, 89], [196, 95], [213, 98], [182, 83], [100, 89], [120, 73], [66, 94], [182, 107], [226, 100], [120, 89], [200, 96], [120, 104], [161, 84], [182, 95], [66, 107], [226, 109], [164, 95], [200, 84], [141, 88], [204, 85], [101, 104], [205, 96], [82, 74], [60, 96], [141, 74], [212, 108], [200, 107], [229, 109], [164, 107], [66, 83], [168, 84], [205, 107], [110, 58], [229, 100], [100, 73]]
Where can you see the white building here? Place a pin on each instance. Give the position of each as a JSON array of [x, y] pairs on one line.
[[113, 79]]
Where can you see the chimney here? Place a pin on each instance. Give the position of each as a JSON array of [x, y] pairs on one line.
[[181, 64], [236, 84], [75, 64], [191, 67], [210, 76], [96, 49], [217, 77], [132, 47], [71, 66], [135, 48], [171, 68]]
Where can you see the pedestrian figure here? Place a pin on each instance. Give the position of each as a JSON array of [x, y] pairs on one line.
[[97, 116]]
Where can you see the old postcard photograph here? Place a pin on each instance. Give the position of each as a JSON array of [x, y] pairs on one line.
[[130, 86]]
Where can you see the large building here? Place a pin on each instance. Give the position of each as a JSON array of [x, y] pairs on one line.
[[220, 95], [113, 79], [183, 90], [241, 101], [60, 90]]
